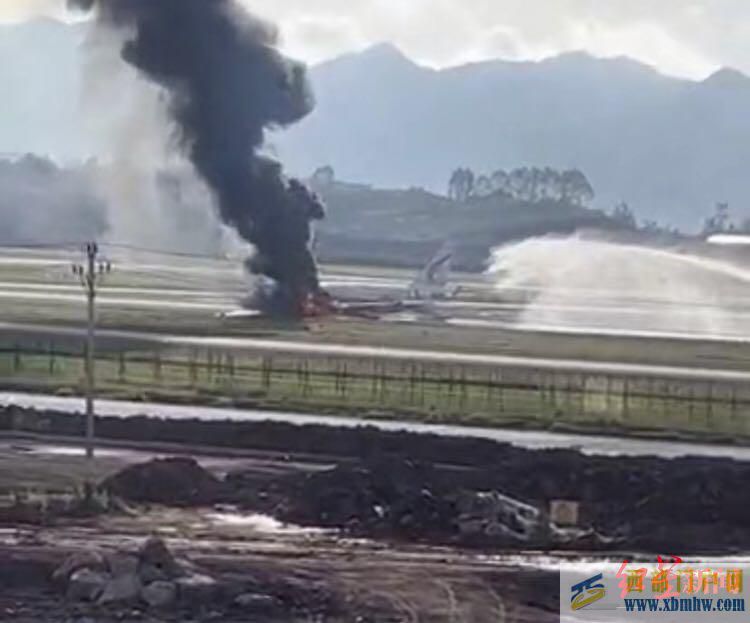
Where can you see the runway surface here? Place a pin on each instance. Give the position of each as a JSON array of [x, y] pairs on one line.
[[213, 287], [470, 314], [588, 444]]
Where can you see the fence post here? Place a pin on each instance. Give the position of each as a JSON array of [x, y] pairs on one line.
[[412, 381], [157, 366], [300, 378], [553, 392], [52, 361], [710, 407], [308, 387], [422, 388], [374, 383], [193, 368], [501, 390], [345, 381], [464, 394], [266, 372], [336, 376]]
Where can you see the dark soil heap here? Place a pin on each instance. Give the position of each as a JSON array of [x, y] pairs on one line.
[[385, 497], [170, 481]]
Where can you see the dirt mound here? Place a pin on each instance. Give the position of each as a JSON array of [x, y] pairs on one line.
[[169, 481], [689, 505], [402, 499], [398, 496]]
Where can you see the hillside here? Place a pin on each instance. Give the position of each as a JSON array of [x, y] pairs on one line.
[[669, 147], [405, 227], [41, 202]]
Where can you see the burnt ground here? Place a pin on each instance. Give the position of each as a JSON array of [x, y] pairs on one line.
[[435, 513]]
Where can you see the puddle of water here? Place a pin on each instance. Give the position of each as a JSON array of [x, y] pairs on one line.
[[74, 451], [261, 524]]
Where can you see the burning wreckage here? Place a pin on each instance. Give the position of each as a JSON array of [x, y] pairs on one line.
[[226, 82], [429, 285]]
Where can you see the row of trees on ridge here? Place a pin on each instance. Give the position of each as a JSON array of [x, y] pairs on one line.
[[530, 184]]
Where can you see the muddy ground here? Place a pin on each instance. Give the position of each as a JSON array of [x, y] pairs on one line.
[[417, 527], [263, 571], [687, 506]]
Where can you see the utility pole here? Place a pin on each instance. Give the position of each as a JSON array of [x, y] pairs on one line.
[[90, 275]]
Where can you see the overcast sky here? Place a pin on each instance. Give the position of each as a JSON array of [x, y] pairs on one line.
[[681, 37]]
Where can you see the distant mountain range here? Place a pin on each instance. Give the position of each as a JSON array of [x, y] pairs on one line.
[[670, 147]]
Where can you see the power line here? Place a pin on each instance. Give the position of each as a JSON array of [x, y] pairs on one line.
[[91, 275], [113, 245], [166, 252], [32, 246]]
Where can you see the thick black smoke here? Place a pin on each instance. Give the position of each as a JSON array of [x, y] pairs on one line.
[[227, 83]]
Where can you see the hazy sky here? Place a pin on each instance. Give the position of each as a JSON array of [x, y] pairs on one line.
[[682, 37]]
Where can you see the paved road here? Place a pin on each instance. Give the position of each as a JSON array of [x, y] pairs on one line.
[[595, 445]]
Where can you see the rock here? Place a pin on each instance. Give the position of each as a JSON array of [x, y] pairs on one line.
[[120, 564], [122, 589], [89, 559], [159, 594], [150, 573], [157, 562], [256, 602], [86, 585], [196, 588]]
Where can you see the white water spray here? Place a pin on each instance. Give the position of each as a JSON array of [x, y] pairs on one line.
[[578, 284]]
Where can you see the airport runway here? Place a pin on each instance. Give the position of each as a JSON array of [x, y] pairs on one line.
[[588, 444], [213, 287], [595, 319]]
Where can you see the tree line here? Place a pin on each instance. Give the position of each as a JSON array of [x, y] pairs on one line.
[[530, 184], [721, 222]]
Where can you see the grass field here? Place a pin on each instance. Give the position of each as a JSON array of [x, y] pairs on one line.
[[437, 393]]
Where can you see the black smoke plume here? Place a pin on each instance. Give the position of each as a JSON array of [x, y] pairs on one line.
[[227, 83]]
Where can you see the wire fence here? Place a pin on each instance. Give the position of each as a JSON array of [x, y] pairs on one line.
[[426, 390]]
